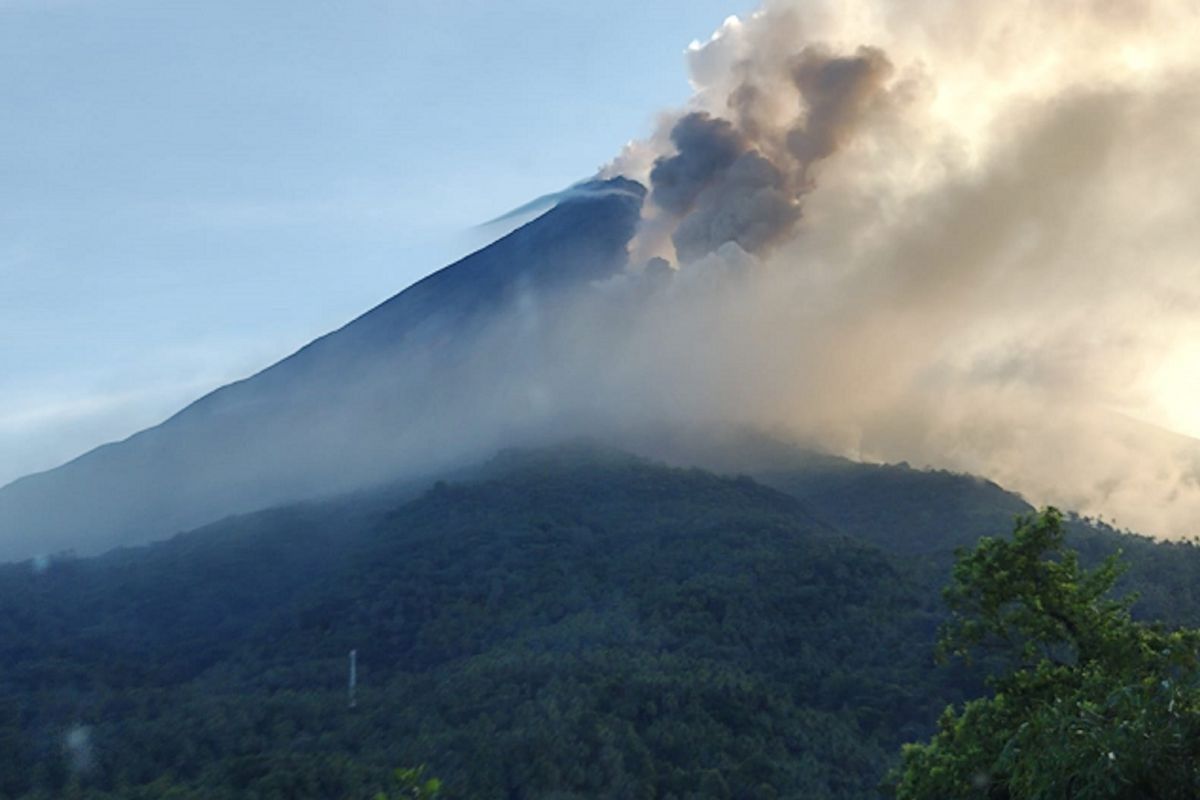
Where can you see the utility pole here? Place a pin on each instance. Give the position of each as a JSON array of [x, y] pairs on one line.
[[353, 677]]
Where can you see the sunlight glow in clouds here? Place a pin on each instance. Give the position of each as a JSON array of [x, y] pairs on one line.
[[1175, 389], [979, 253]]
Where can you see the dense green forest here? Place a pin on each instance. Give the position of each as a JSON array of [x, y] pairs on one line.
[[1088, 703], [566, 623]]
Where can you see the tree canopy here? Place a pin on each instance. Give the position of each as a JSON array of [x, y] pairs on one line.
[[1086, 702], [567, 624]]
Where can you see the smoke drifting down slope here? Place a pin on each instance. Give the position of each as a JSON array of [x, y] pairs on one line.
[[961, 235], [957, 234]]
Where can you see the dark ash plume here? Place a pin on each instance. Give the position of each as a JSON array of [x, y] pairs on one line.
[[705, 147], [741, 181], [752, 207], [836, 93]]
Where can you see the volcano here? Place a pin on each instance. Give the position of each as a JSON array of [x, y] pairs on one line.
[[344, 411]]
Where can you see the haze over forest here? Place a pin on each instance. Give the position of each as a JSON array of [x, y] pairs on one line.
[[835, 439], [954, 236], [971, 239]]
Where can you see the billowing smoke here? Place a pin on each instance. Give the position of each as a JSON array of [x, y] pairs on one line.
[[706, 149], [958, 234], [837, 93], [743, 182]]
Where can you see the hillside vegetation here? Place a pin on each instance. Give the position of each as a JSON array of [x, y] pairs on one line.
[[570, 623]]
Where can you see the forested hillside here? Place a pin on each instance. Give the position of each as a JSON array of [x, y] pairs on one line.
[[924, 516], [569, 623]]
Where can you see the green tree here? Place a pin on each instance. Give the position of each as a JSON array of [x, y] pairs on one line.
[[411, 784], [1086, 702]]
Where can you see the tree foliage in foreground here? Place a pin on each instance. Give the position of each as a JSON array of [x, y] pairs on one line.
[[1087, 702]]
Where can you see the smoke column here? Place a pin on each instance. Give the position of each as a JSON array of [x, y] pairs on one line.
[[958, 234], [961, 235]]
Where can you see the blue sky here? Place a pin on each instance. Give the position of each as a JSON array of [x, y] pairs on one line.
[[192, 190]]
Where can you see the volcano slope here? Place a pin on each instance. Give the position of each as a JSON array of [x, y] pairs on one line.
[[413, 385]]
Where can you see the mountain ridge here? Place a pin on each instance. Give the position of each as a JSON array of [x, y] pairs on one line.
[[325, 416], [563, 622]]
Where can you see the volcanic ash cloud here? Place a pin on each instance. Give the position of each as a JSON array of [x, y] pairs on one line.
[[958, 234]]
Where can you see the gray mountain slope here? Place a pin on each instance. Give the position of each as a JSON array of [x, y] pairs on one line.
[[341, 412]]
